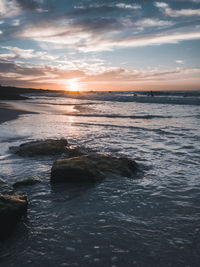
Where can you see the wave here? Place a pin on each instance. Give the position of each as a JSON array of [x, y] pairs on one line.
[[175, 100], [116, 116], [45, 102], [168, 100], [106, 125]]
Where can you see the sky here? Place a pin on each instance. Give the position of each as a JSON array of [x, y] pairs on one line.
[[100, 44]]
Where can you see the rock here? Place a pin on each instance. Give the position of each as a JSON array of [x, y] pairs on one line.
[[75, 151], [47, 148], [91, 168], [41, 148], [11, 209], [28, 181]]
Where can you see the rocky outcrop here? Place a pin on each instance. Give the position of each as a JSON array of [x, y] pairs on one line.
[[41, 148], [91, 168], [47, 148], [26, 182], [76, 151], [12, 207]]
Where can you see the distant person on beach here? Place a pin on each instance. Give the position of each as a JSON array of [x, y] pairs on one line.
[[151, 93]]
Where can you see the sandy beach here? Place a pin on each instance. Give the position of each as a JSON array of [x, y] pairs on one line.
[[8, 112]]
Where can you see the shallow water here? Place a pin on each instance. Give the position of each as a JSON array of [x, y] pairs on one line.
[[151, 221]]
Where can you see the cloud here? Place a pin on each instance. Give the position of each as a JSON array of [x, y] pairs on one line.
[[28, 4], [69, 29], [103, 10], [16, 22], [148, 22], [16, 53], [177, 13], [156, 39], [26, 76], [94, 33], [92, 26], [160, 4], [98, 24], [83, 39], [182, 12], [13, 68], [125, 6], [2, 6], [13, 8], [104, 7], [70, 34], [51, 77], [100, 33], [9, 8], [179, 61], [91, 10]]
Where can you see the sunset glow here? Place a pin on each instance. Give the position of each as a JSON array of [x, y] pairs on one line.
[[104, 45], [73, 85], [99, 133]]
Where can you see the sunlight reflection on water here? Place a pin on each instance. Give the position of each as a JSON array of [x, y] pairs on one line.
[[153, 221]]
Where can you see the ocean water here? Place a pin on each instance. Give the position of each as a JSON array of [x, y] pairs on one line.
[[153, 220]]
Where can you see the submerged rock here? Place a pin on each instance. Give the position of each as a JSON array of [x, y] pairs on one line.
[[41, 148], [28, 181], [76, 151], [12, 207], [47, 148], [91, 168]]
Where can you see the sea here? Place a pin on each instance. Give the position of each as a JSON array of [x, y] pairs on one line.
[[151, 220]]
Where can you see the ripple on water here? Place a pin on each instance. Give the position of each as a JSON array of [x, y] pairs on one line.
[[151, 221]]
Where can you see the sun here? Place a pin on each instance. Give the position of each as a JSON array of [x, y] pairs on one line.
[[73, 85]]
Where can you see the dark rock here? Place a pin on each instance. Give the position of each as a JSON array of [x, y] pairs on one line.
[[11, 209], [41, 148], [28, 181], [91, 168], [48, 147], [76, 151]]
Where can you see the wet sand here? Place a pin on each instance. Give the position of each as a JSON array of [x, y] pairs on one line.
[[8, 112]]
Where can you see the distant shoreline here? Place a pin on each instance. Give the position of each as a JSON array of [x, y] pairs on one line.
[[16, 93]]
